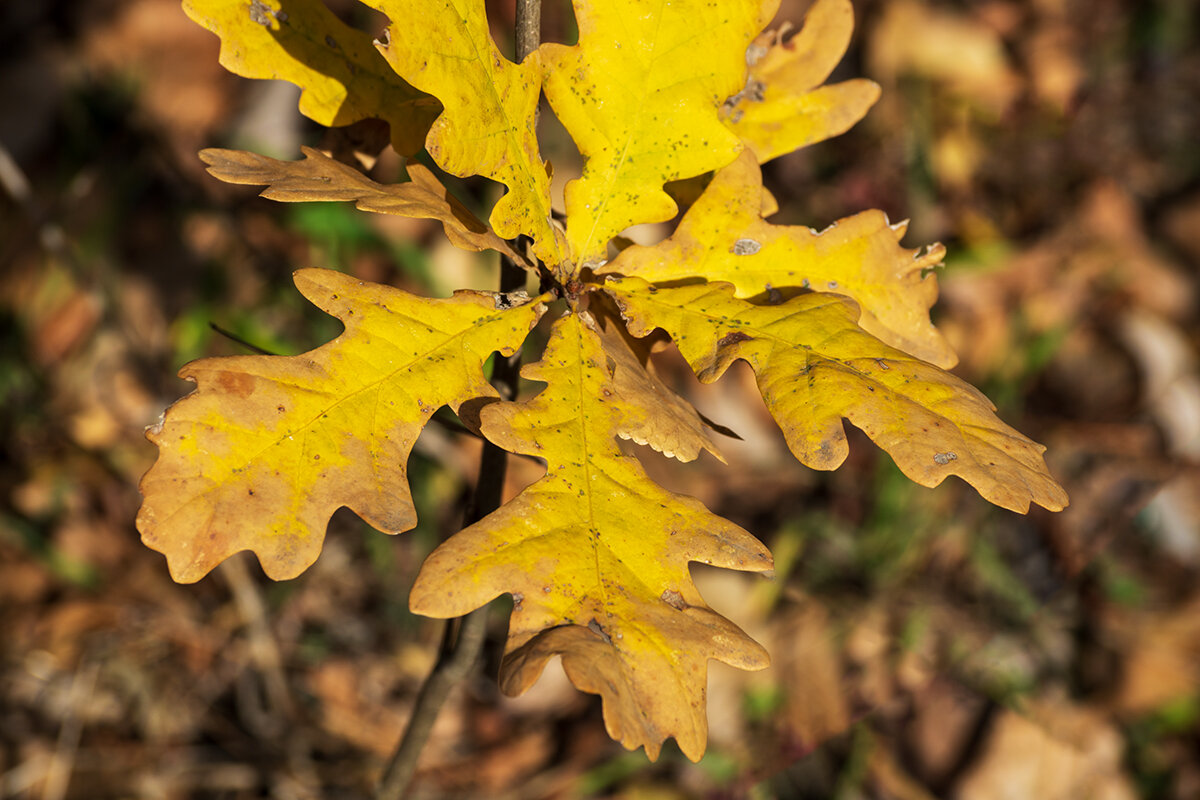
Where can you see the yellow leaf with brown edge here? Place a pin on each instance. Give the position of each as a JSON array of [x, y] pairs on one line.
[[266, 448], [723, 237], [342, 76], [641, 95], [815, 366], [596, 557], [319, 177], [782, 107], [487, 127]]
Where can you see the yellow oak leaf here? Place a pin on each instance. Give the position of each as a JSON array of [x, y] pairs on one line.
[[814, 366], [319, 177], [266, 448], [723, 237], [487, 127], [650, 413], [596, 557], [782, 106], [342, 75], [640, 95]]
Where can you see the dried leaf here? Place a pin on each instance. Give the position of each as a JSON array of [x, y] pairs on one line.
[[319, 177], [723, 237], [1053, 750], [595, 555], [948, 46], [342, 76], [815, 366], [1162, 663], [266, 448]]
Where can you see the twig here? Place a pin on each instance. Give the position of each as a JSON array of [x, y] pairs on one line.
[[460, 652], [528, 27], [233, 337], [264, 650], [62, 763], [51, 237]]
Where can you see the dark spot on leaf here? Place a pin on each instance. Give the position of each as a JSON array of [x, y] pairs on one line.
[[595, 628], [238, 384], [733, 337], [674, 599]]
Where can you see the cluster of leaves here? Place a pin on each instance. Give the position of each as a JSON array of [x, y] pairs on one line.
[[834, 324]]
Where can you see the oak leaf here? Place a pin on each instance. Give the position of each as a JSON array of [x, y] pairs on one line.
[[319, 177], [342, 77], [723, 237], [266, 448], [782, 106], [487, 127], [596, 555], [650, 412], [815, 366], [641, 95]]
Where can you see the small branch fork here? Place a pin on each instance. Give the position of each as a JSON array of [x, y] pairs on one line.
[[463, 638]]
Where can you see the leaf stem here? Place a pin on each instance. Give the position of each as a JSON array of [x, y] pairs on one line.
[[460, 651]]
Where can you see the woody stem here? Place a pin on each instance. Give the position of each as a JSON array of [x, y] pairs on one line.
[[464, 637]]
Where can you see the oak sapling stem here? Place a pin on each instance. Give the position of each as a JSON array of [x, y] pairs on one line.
[[460, 651]]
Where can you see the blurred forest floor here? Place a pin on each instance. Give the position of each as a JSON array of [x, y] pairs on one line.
[[924, 644]]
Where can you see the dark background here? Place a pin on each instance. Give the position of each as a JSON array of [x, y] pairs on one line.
[[925, 644]]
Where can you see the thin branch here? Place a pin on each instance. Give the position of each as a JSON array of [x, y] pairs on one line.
[[448, 672], [528, 27], [233, 337], [459, 653]]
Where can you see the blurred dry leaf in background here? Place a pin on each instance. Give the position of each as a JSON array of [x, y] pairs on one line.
[[951, 47], [1049, 750], [172, 63]]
